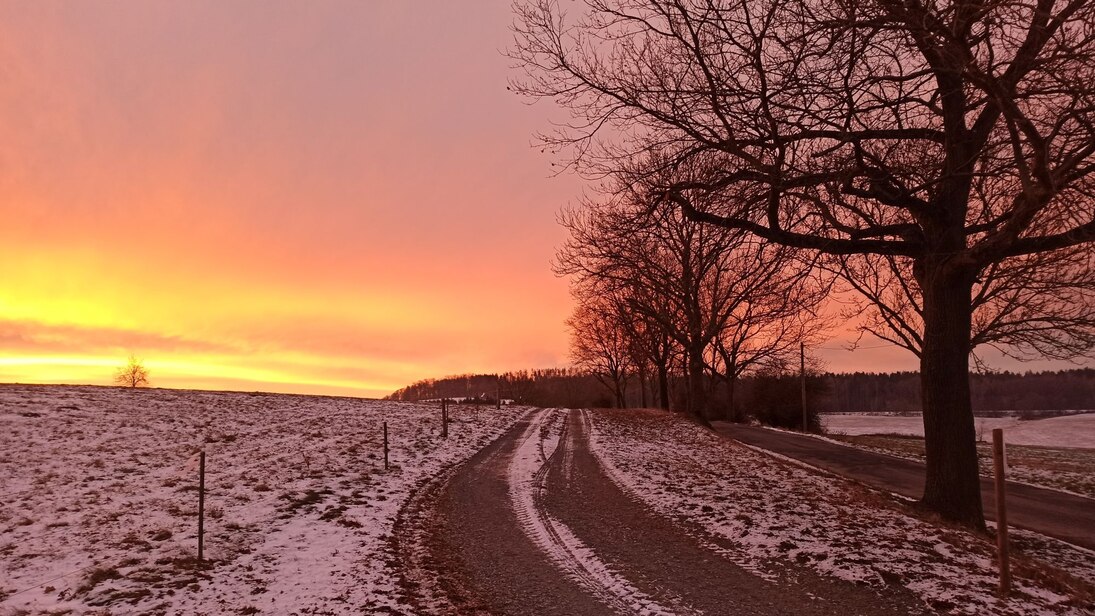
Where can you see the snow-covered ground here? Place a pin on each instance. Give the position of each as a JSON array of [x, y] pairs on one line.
[[778, 511], [99, 498], [1066, 431]]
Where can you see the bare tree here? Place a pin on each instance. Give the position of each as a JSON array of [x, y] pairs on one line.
[[952, 136], [765, 335], [653, 347], [1029, 307], [133, 374], [600, 343], [688, 279]]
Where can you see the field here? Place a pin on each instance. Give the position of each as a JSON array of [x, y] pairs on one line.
[[100, 488], [1057, 452], [100, 498], [776, 513], [1075, 430]]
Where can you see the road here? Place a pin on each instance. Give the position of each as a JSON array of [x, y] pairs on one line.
[[533, 525], [1057, 514]]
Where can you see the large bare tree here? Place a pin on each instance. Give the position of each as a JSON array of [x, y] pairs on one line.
[[601, 342], [953, 136], [690, 280], [766, 334]]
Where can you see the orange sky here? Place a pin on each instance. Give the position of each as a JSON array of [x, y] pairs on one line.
[[334, 197]]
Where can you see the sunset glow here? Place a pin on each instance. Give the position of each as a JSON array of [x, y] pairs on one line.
[[275, 198], [333, 198]]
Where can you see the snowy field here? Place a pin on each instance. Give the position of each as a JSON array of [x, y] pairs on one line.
[[1066, 431], [778, 511], [100, 496]]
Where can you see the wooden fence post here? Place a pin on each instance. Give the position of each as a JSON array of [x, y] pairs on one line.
[[999, 465], [201, 507], [444, 418], [385, 445]]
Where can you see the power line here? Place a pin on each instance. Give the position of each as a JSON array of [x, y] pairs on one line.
[[63, 575], [858, 348]]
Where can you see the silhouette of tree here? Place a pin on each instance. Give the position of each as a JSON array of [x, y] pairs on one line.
[[952, 138], [600, 343], [133, 374], [690, 280]]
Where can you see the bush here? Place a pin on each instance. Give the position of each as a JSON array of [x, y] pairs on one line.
[[776, 400]]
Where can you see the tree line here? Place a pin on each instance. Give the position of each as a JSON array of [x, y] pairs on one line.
[[761, 395]]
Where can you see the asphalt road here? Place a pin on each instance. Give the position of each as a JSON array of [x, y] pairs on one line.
[[1057, 514]]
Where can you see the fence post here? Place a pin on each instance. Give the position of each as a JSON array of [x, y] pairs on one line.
[[444, 418], [999, 465], [385, 445], [201, 507]]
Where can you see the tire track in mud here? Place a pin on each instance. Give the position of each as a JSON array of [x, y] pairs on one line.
[[554, 538], [461, 548], [424, 579]]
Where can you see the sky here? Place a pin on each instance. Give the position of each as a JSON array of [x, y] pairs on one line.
[[333, 198]]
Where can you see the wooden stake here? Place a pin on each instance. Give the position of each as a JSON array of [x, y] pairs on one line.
[[999, 465], [201, 507], [444, 418], [498, 399], [385, 445]]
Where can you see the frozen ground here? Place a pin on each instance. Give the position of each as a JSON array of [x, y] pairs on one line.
[[777, 511], [100, 494], [1066, 431]]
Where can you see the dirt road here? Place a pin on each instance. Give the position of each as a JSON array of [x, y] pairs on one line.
[[533, 525], [1057, 514]]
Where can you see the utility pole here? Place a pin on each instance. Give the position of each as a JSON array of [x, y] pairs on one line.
[[999, 464], [802, 377]]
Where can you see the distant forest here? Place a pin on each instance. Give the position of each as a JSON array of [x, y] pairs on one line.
[[859, 391]]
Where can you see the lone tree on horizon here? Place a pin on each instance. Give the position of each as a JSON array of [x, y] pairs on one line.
[[133, 374], [942, 140]]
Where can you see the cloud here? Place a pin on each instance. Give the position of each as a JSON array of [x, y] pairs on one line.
[[26, 336]]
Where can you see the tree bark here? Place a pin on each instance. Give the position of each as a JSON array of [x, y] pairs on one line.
[[731, 383], [697, 398], [952, 485], [663, 386]]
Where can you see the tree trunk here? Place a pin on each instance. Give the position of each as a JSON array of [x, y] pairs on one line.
[[731, 383], [697, 398], [642, 388], [952, 485], [663, 387]]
